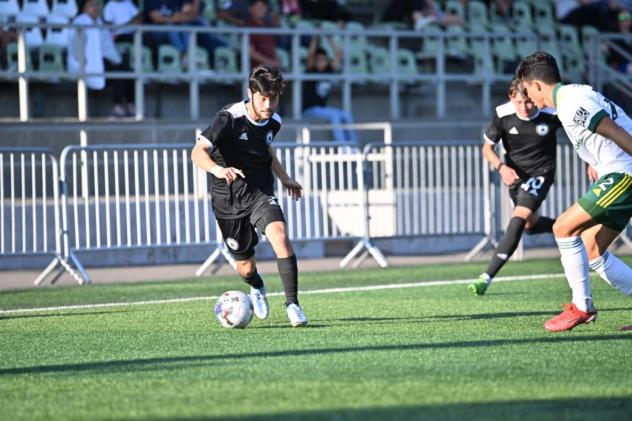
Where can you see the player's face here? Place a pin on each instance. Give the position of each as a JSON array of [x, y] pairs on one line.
[[524, 106], [536, 94], [263, 105]]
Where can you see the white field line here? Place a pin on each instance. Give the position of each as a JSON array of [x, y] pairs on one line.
[[274, 294]]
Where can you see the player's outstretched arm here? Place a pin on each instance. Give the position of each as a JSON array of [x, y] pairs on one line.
[[201, 158], [508, 174], [611, 130], [293, 187]]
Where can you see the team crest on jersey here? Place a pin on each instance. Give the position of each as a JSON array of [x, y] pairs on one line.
[[542, 129], [269, 137], [232, 243], [581, 115]]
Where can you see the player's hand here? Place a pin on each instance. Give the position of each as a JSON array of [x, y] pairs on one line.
[[592, 173], [229, 174], [509, 175], [294, 188]]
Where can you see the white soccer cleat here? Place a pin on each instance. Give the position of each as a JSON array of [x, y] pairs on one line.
[[260, 303], [296, 315]]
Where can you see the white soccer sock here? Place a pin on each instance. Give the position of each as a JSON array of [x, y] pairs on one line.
[[575, 262], [613, 271]]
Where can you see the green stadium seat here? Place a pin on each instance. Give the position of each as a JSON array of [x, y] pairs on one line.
[[430, 42], [526, 44], [284, 58], [455, 7], [523, 18], [12, 57], [358, 40], [483, 62], [477, 19], [202, 59], [569, 39], [406, 63], [379, 60], [587, 33], [503, 48], [225, 60], [543, 15], [456, 44], [209, 13], [127, 49], [169, 59], [358, 62], [51, 58]]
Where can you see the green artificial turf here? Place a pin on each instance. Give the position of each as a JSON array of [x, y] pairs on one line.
[[416, 353]]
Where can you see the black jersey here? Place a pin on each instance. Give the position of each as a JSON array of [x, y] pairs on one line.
[[237, 141], [530, 144]]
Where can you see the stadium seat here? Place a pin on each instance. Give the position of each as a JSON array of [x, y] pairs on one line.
[[406, 63], [431, 41], [455, 7], [32, 36], [201, 59], [327, 27], [587, 33], [67, 8], [37, 8], [209, 12], [526, 43], [379, 60], [225, 60], [523, 18], [169, 59], [12, 58], [359, 40], [284, 58], [302, 58], [569, 40], [503, 48], [456, 44], [51, 58], [9, 9], [543, 15], [358, 62], [477, 16], [57, 35]]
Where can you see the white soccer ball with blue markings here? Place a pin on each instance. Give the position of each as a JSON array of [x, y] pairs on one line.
[[233, 310]]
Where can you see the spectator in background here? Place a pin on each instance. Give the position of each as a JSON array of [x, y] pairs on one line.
[[122, 12], [97, 49], [330, 10], [419, 13], [237, 12], [622, 25], [316, 92], [597, 13], [262, 46], [179, 12]]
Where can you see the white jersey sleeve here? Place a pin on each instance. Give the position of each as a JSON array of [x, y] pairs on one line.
[[581, 109]]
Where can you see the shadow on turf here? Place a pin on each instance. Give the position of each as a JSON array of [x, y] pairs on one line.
[[166, 363], [457, 317], [553, 409], [75, 314]]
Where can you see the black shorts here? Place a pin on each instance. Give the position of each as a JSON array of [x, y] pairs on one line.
[[531, 193], [240, 235]]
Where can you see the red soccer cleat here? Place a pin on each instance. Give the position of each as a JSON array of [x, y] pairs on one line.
[[569, 318]]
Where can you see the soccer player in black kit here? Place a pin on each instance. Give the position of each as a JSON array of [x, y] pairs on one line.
[[236, 149], [528, 136]]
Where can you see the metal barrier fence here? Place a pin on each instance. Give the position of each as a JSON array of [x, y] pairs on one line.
[[121, 197]]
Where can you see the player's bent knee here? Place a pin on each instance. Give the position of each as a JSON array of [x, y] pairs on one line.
[[246, 268]]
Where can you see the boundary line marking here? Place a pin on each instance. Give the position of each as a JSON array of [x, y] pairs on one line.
[[276, 294]]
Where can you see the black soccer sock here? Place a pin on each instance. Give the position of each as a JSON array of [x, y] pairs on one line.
[[254, 280], [542, 225], [507, 245], [288, 271]]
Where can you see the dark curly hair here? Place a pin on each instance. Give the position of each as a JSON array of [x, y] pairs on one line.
[[266, 80]]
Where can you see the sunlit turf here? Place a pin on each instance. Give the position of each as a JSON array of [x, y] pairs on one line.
[[417, 353]]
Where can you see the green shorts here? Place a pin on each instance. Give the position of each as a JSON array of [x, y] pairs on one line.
[[609, 200]]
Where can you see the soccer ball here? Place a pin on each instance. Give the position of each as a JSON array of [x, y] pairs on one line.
[[233, 310]]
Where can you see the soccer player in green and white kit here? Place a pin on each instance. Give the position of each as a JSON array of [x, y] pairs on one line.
[[601, 134]]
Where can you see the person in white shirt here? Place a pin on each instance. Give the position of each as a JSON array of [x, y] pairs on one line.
[[600, 132], [122, 12], [96, 48]]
